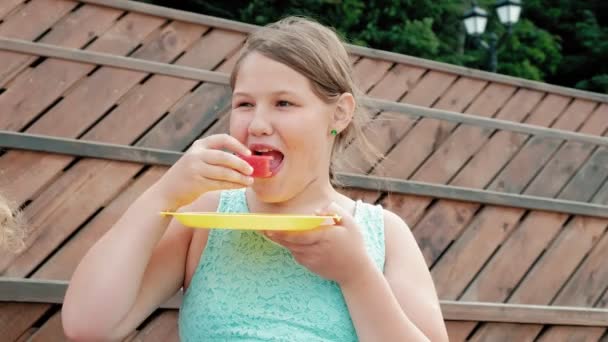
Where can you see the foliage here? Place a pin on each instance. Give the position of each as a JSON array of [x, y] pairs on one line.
[[558, 41]]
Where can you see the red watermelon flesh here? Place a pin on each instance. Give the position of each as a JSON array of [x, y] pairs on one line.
[[260, 165]]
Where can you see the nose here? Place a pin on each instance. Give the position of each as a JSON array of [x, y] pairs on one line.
[[260, 123]]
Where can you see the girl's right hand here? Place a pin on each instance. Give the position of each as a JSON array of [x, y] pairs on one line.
[[205, 167]]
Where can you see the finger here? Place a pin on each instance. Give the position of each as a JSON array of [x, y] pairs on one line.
[[278, 237], [225, 141], [221, 158], [304, 238], [220, 185], [334, 209], [224, 174]]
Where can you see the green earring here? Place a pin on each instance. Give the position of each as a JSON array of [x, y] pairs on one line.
[[334, 132]]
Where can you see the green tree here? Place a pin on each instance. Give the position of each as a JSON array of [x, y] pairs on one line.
[[563, 42]]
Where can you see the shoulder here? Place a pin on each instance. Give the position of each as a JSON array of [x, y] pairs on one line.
[[398, 235], [393, 221]]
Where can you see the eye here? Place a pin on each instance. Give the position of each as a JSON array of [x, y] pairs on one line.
[[243, 104], [284, 103]]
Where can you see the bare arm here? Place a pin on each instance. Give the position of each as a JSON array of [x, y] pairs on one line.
[[141, 261], [134, 268], [402, 304]]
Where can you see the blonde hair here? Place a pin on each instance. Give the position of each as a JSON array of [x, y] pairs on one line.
[[318, 53], [12, 229]]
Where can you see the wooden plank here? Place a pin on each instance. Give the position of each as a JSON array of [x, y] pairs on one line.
[[508, 154], [62, 207], [562, 167], [17, 318], [27, 335], [428, 133], [74, 30], [483, 167], [87, 148], [565, 333], [84, 175], [459, 330], [190, 73], [7, 6], [460, 146], [589, 281], [61, 264], [367, 74], [491, 225], [506, 332], [122, 38], [75, 147], [465, 258], [413, 207], [452, 310], [23, 290], [51, 330], [162, 328], [426, 91], [453, 216], [28, 23], [548, 274], [397, 186], [518, 254], [62, 203], [95, 94], [449, 116], [387, 127], [43, 91], [128, 63], [560, 260], [359, 50], [466, 140], [26, 97], [369, 71], [397, 82]]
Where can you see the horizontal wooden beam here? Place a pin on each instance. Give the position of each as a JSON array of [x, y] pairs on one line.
[[456, 193], [53, 291], [100, 58], [83, 148], [136, 6], [523, 313], [492, 123], [75, 147], [223, 79]]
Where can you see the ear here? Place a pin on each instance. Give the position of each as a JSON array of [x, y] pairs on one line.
[[345, 109]]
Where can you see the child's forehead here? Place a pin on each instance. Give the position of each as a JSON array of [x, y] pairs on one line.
[[261, 74]]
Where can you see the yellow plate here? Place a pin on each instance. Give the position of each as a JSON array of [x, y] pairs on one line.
[[250, 221]]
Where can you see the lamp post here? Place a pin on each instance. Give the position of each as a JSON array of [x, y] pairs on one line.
[[476, 18]]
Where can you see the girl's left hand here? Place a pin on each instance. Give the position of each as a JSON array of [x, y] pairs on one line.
[[335, 252]]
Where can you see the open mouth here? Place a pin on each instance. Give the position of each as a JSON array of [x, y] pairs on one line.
[[265, 150]]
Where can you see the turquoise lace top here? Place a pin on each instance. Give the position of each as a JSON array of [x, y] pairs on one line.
[[247, 288]]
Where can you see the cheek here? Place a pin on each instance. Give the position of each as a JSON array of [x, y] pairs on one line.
[[239, 126]]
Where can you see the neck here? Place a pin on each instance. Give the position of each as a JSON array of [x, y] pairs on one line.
[[319, 192]]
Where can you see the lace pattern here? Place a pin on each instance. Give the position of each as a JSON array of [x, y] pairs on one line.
[[247, 288]]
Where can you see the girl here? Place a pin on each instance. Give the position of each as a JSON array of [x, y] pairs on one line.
[[363, 279]]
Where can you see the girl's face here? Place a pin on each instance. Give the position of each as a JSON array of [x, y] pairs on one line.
[[275, 112]]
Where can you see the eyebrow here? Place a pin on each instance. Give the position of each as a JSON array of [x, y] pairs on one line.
[[276, 93]]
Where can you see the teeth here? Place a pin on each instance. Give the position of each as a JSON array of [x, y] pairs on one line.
[[264, 150]]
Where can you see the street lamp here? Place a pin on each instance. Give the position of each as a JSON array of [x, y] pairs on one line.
[[476, 18]]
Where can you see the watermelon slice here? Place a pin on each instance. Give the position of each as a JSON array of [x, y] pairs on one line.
[[260, 165]]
